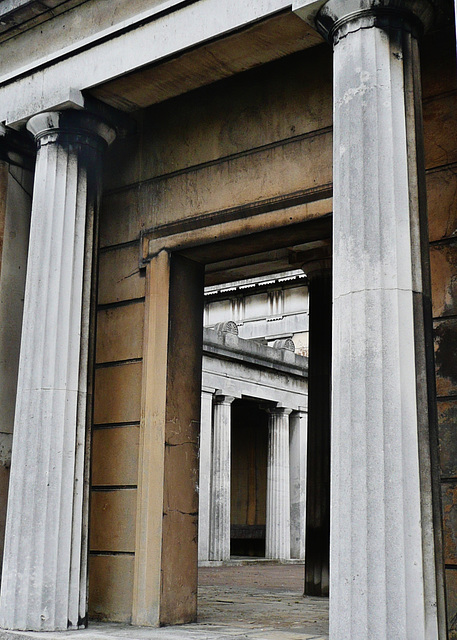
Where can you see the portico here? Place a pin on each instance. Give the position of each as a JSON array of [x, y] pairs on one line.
[[224, 180]]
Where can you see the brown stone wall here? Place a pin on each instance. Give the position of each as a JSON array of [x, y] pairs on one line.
[[115, 437], [440, 128]]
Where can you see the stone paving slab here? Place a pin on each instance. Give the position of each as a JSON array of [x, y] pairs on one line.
[[250, 602]]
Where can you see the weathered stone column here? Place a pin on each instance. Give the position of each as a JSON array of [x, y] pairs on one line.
[[319, 272], [385, 535], [277, 543], [220, 480], [204, 482], [298, 423], [44, 571]]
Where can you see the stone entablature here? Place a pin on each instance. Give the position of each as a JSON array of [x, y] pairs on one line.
[[244, 367]]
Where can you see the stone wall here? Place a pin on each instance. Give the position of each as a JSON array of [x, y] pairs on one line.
[[440, 128]]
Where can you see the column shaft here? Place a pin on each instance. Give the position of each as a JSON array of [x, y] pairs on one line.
[[166, 552], [204, 483], [298, 448], [383, 542], [277, 543], [44, 573], [220, 480]]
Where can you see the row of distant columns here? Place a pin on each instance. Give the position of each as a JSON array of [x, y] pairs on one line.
[[386, 566], [286, 478]]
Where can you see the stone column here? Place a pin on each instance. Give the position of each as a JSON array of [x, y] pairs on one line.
[[319, 275], [277, 543], [204, 483], [44, 571], [385, 535], [298, 423], [219, 544]]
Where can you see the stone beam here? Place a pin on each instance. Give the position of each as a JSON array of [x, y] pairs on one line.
[[163, 31]]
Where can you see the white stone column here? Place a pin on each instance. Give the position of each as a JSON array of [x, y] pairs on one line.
[[44, 571], [204, 484], [383, 567], [277, 543], [220, 480], [298, 423]]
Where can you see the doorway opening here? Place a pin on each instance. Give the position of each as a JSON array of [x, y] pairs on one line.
[[248, 479]]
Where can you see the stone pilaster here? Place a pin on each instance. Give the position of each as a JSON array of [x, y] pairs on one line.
[[204, 482], [220, 479], [277, 543], [298, 423], [385, 535], [44, 573], [319, 271], [166, 549]]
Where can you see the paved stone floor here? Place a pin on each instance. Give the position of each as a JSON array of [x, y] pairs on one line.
[[248, 602]]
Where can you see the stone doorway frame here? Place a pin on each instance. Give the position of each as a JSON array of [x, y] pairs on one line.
[[166, 558]]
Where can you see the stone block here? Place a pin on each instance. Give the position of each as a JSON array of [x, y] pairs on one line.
[[440, 131], [119, 277], [443, 265], [115, 456], [112, 520], [180, 551], [442, 203], [449, 505], [118, 394], [447, 429], [446, 356], [180, 494], [111, 587], [120, 333], [451, 596]]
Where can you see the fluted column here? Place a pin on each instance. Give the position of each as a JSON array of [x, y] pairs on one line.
[[204, 482], [385, 580], [298, 423], [44, 572], [277, 543], [220, 480]]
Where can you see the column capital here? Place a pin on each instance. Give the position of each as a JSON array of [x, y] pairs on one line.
[[335, 19], [70, 125], [221, 398], [279, 411]]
